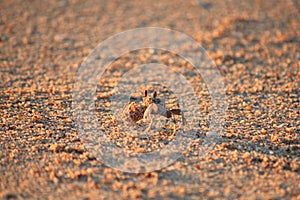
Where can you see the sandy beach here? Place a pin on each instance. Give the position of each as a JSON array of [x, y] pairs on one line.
[[254, 46]]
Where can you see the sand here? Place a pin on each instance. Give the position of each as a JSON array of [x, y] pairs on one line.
[[255, 47]]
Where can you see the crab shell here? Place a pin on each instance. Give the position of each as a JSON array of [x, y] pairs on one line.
[[133, 112]]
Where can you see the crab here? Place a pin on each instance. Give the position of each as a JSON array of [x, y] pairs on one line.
[[149, 110]]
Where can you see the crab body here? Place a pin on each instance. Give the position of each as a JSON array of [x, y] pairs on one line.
[[148, 111], [133, 112]]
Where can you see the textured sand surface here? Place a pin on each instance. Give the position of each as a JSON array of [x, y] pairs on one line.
[[255, 45]]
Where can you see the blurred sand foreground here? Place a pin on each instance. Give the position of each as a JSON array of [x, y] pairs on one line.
[[255, 45]]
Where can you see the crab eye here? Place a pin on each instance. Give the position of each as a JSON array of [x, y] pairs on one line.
[[154, 94]]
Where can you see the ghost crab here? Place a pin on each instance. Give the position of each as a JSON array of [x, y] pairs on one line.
[[149, 110]]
